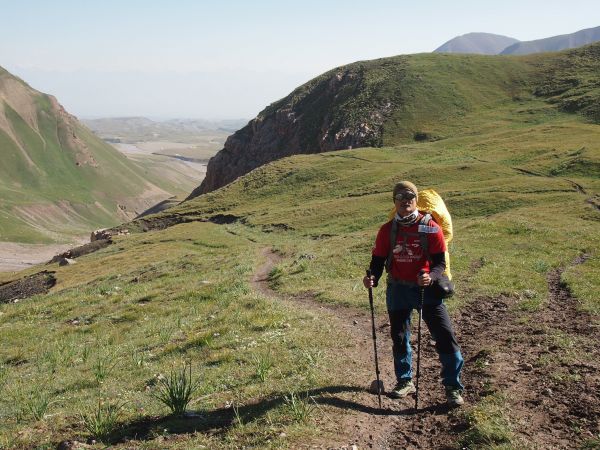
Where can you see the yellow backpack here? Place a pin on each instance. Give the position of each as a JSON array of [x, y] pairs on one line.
[[430, 202]]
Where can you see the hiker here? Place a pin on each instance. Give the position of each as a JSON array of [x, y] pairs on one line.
[[410, 270]]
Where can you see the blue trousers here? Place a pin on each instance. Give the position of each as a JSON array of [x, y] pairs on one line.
[[401, 299]]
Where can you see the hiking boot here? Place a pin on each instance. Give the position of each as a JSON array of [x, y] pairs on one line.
[[402, 389], [453, 397]]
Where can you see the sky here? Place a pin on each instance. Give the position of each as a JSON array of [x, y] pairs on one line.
[[231, 58]]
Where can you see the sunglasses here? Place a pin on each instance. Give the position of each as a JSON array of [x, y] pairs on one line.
[[405, 196]]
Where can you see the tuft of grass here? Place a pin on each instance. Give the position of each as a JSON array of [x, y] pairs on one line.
[[488, 427], [275, 274], [237, 416], [582, 280], [541, 266], [301, 408], [37, 404], [103, 421], [263, 363], [176, 390], [312, 357], [483, 360], [138, 357], [3, 376], [103, 367], [591, 444]]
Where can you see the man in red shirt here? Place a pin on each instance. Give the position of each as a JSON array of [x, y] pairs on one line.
[[410, 269]]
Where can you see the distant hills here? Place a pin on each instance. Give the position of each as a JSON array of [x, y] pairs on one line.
[[413, 98], [493, 44], [478, 43], [136, 129], [555, 43], [57, 179]]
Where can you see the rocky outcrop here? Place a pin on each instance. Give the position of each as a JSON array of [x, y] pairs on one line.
[[82, 250], [331, 112]]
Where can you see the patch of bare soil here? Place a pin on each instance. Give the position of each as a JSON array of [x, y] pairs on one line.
[[39, 283], [550, 371], [553, 400]]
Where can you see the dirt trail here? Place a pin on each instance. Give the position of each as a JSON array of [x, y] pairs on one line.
[[502, 353]]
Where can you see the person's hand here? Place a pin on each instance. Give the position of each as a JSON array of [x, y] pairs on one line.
[[423, 279], [369, 281]]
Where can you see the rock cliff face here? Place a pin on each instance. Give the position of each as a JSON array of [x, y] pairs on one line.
[[331, 112]]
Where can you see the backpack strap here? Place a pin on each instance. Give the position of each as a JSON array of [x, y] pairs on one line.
[[425, 229]]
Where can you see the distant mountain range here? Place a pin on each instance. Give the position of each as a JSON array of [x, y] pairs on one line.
[[555, 43], [136, 129], [57, 179], [494, 44]]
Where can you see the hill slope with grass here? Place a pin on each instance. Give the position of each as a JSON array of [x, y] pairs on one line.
[[58, 180], [257, 286], [404, 99], [477, 43], [554, 43]]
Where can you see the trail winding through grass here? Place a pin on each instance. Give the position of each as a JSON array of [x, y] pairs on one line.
[[502, 347]]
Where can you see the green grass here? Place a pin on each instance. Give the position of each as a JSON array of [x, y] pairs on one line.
[[489, 427], [183, 307], [332, 205], [582, 281]]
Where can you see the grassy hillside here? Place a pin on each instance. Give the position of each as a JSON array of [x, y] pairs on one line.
[[435, 92], [58, 180], [407, 99], [522, 181]]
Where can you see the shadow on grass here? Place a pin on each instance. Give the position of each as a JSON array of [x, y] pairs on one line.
[[219, 421]]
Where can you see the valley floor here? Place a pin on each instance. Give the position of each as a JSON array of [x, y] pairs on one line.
[[16, 256]]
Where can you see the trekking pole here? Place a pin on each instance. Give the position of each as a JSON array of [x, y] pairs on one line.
[[421, 301], [379, 387]]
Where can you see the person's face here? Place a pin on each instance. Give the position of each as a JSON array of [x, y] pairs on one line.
[[405, 202]]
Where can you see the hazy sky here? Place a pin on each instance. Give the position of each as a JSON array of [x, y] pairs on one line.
[[229, 59]]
